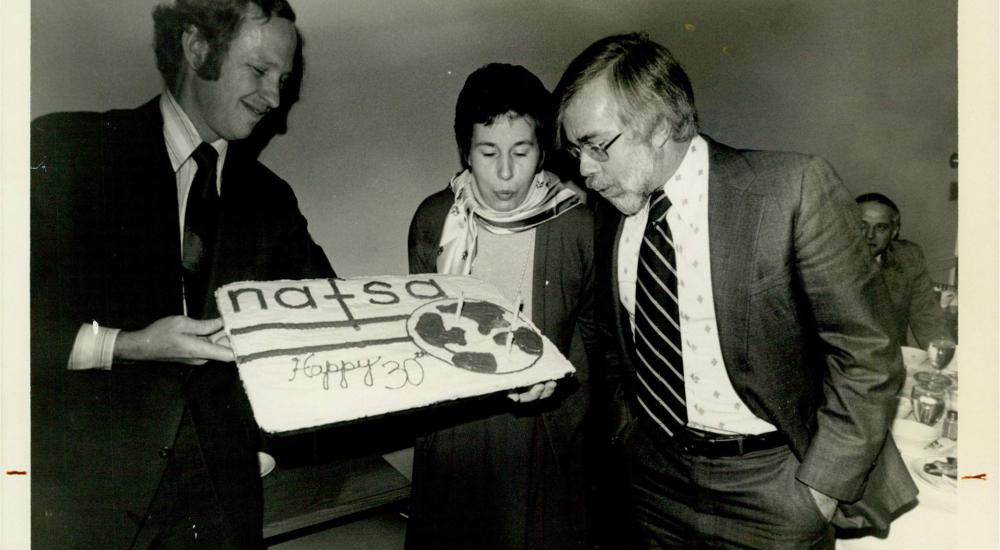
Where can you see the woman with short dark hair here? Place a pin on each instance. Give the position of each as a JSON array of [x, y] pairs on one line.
[[503, 474]]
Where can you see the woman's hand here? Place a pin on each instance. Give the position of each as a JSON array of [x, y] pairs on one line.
[[534, 393]]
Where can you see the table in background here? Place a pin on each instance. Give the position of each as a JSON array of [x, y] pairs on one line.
[[333, 475], [932, 523], [304, 497]]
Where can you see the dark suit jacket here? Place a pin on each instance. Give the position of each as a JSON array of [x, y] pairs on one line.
[[913, 298], [802, 317], [105, 247]]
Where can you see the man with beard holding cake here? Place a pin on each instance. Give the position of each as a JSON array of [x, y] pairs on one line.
[[141, 435], [741, 312]]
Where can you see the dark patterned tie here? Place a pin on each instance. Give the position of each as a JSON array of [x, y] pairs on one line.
[[660, 371], [200, 220]]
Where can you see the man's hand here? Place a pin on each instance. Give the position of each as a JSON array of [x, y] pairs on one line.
[[827, 505], [175, 339], [534, 393]]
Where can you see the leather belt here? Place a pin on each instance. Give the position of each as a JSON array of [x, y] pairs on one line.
[[712, 445]]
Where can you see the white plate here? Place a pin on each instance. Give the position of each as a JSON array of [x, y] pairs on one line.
[[912, 436], [266, 462], [942, 482]]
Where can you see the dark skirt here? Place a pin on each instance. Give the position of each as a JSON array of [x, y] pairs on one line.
[[499, 483]]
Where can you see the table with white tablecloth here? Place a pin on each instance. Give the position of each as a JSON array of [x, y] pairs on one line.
[[931, 523]]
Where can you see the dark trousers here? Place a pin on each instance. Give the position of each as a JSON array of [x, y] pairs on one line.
[[750, 501], [210, 495], [185, 512]]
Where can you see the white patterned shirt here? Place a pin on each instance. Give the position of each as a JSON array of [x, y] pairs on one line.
[[712, 403]]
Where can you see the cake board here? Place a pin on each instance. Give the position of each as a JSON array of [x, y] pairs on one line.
[[315, 353]]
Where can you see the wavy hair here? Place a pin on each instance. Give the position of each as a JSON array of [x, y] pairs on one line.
[[218, 21], [649, 85]]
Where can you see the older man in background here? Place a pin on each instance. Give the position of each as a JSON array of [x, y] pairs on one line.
[[141, 433], [746, 330], [915, 304]]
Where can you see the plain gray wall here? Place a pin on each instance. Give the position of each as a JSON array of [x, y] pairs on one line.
[[870, 86]]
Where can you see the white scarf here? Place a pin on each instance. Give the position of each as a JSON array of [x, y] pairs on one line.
[[547, 198]]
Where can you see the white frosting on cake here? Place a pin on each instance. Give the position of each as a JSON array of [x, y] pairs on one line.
[[323, 351]]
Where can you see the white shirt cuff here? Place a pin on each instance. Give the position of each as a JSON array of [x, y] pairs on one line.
[[94, 348]]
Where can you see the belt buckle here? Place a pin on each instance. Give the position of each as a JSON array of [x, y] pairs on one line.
[[708, 447], [740, 450], [723, 447]]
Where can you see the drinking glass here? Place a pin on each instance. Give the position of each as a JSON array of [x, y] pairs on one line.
[[940, 352], [929, 398]]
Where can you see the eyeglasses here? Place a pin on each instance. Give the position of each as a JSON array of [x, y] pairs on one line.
[[596, 152]]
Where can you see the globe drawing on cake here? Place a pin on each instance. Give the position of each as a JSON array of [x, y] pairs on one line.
[[485, 338]]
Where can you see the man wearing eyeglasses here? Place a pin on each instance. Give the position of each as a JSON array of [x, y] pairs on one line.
[[745, 326], [915, 304]]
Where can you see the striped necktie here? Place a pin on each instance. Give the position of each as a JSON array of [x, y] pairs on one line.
[[660, 371], [200, 221]]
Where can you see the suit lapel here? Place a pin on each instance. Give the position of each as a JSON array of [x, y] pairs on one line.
[[143, 193], [734, 216]]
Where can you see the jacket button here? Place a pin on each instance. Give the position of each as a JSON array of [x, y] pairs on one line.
[[165, 452]]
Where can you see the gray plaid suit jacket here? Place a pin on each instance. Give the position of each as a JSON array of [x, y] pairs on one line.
[[803, 320]]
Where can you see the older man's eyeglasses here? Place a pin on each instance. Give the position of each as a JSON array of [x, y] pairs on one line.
[[596, 152]]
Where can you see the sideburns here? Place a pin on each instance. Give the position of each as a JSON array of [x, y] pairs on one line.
[[210, 67]]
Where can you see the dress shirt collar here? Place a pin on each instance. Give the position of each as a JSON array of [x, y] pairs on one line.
[[690, 180], [180, 134]]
